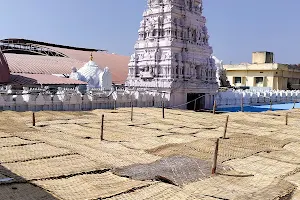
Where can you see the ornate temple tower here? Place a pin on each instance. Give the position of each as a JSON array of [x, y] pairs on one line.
[[172, 54]]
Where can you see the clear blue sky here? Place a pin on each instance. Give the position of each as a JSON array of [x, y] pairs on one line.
[[236, 27]]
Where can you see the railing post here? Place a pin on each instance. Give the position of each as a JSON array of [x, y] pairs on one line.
[[163, 109], [215, 159], [131, 118], [215, 107], [294, 106], [33, 118], [226, 125], [242, 104], [102, 126]]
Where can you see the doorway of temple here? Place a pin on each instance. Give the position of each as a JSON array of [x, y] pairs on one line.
[[198, 104]]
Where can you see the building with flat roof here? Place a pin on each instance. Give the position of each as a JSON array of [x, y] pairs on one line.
[[264, 72]]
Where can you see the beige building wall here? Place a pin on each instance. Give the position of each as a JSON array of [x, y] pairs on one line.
[[273, 75], [251, 78], [262, 57]]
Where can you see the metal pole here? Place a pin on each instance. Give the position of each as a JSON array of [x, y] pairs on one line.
[[242, 104], [102, 126], [225, 129], [163, 109], [214, 167], [286, 118], [131, 111], [215, 107], [294, 104], [33, 118]]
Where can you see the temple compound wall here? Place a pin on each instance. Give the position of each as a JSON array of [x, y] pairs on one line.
[[71, 99], [234, 98]]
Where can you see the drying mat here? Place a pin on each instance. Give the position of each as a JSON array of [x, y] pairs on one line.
[[230, 187], [295, 179], [177, 170], [14, 141], [159, 191], [24, 192], [52, 167], [279, 189], [283, 156], [4, 135], [295, 196], [34, 151], [294, 147], [106, 154], [237, 146], [60, 115], [91, 186], [260, 165]]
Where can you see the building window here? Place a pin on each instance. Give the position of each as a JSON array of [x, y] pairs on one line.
[[237, 80], [259, 81]]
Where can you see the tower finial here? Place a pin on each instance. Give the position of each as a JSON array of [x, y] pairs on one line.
[[91, 57]]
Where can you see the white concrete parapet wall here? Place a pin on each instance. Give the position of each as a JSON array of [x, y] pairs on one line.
[[71, 99], [234, 98]]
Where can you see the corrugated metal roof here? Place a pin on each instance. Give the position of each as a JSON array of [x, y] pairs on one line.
[[41, 79], [4, 70], [35, 64]]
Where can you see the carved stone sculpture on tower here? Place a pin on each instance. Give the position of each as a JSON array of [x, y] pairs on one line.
[[174, 44]]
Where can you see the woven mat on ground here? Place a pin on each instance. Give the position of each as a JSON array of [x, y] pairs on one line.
[[14, 141], [24, 192], [3, 135], [177, 170], [15, 124], [279, 189], [90, 186], [237, 146], [34, 151], [260, 165], [283, 156], [294, 147], [158, 191], [295, 179], [106, 154], [53, 167], [230, 187], [295, 195]]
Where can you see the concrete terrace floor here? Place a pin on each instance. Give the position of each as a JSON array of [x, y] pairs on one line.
[[261, 108], [62, 157]]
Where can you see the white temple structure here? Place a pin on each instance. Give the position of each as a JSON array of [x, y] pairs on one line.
[[93, 75], [172, 54]]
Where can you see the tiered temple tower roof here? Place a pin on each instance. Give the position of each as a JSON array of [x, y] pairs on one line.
[[172, 52]]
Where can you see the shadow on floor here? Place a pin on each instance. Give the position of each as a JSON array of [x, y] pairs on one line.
[[15, 187]]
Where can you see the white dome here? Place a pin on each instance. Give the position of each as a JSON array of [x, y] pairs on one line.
[[90, 69], [90, 73]]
